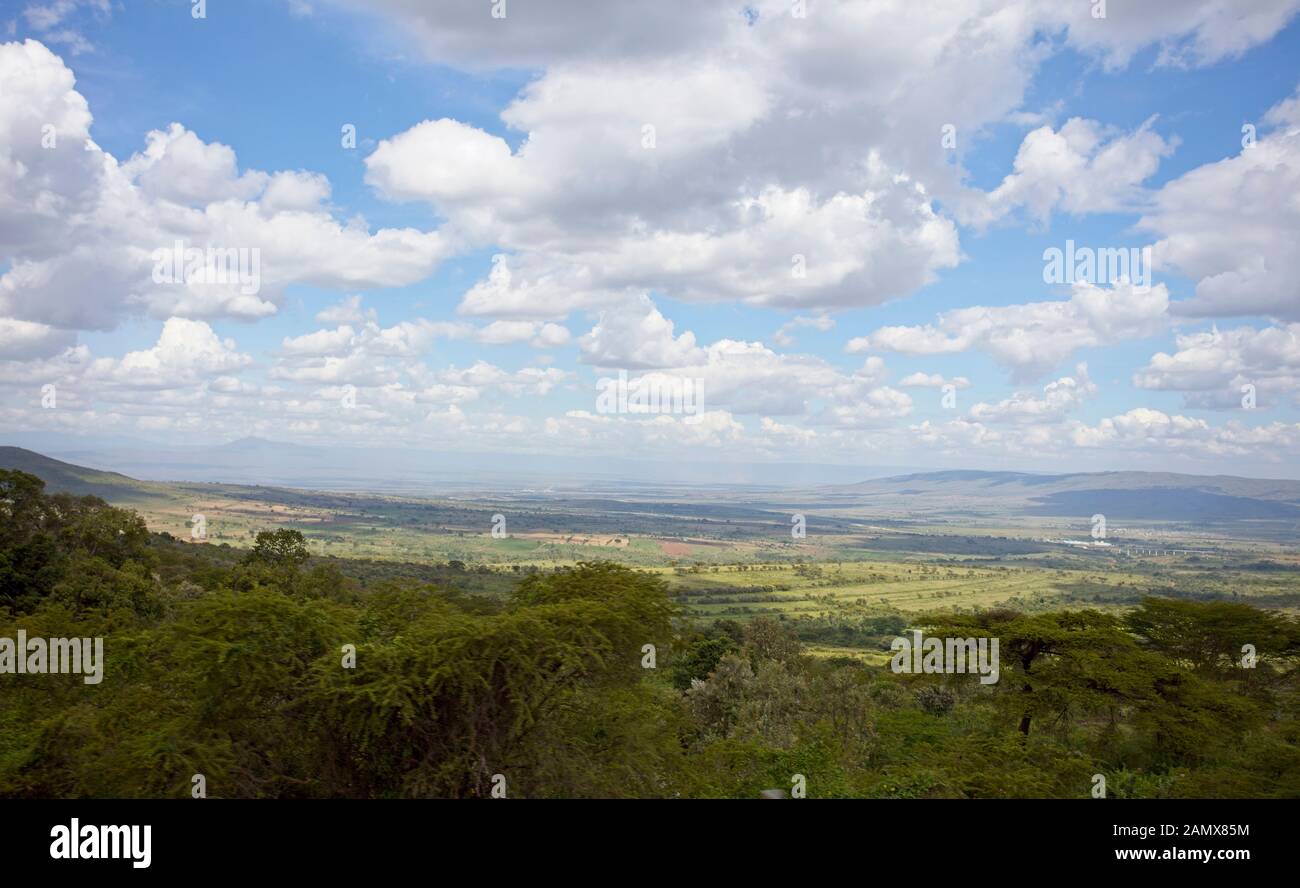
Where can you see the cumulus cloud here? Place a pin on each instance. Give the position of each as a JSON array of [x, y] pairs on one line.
[[724, 109], [358, 355], [1081, 168], [746, 157], [1141, 434], [636, 336], [583, 207], [1145, 429], [482, 375], [186, 352], [1232, 226], [783, 336], [321, 342], [1187, 33], [774, 246], [540, 335], [1033, 338], [932, 380], [1058, 399], [24, 340], [1211, 368], [347, 311], [82, 231], [750, 378]]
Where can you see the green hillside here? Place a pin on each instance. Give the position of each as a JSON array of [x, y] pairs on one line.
[[62, 477]]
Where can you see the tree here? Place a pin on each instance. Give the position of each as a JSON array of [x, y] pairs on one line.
[[453, 697], [41, 536], [1210, 637], [283, 548], [699, 660], [1058, 664], [767, 639]]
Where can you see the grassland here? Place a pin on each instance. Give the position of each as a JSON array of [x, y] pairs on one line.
[[744, 563], [733, 556]]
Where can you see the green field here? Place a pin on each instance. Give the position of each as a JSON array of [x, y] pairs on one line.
[[733, 556], [774, 654]]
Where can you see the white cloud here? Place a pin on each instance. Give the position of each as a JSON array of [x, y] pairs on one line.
[[538, 334], [51, 20], [729, 192], [873, 407], [347, 311], [527, 287], [1233, 225], [795, 164], [67, 366], [783, 437], [24, 340], [294, 190], [360, 356], [320, 343], [186, 352], [1140, 436], [636, 336], [1081, 168], [1145, 429], [1188, 32], [1210, 368], [507, 332], [80, 230], [179, 167], [750, 378], [482, 375], [932, 380], [783, 335], [1059, 398], [1033, 338], [551, 336]]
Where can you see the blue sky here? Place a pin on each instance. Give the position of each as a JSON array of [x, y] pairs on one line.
[[1151, 91]]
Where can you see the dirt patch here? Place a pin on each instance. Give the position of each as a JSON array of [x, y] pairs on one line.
[[577, 539], [676, 548]]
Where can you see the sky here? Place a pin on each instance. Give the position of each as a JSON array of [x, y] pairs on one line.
[[806, 232]]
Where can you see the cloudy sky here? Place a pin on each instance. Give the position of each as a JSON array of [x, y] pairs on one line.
[[457, 217]]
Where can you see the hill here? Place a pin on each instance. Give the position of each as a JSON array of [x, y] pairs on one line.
[[1145, 495], [62, 477]]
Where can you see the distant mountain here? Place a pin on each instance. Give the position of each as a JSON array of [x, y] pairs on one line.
[[253, 444], [967, 480], [62, 477], [1157, 496], [258, 461], [1118, 495]]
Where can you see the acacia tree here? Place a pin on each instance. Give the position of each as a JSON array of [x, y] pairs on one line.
[[1213, 638], [1065, 665], [456, 697], [280, 548]]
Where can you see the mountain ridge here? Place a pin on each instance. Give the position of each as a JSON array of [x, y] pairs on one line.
[[65, 477]]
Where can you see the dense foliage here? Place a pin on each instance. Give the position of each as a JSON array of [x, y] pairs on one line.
[[274, 674]]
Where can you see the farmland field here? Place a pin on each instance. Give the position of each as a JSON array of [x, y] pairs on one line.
[[739, 560]]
